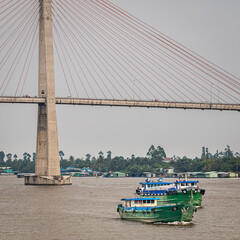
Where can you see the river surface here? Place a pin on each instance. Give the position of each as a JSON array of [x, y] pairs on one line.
[[87, 210]]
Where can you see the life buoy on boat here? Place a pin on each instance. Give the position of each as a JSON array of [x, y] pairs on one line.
[[175, 208], [184, 191]]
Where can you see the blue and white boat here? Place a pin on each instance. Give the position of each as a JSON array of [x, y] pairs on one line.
[[181, 190]]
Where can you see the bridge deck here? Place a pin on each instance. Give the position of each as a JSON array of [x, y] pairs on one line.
[[125, 103]]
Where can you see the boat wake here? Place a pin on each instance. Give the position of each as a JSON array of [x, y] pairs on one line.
[[175, 223]]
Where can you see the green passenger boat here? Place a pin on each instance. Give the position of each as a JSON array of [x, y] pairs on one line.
[[176, 192], [151, 210]]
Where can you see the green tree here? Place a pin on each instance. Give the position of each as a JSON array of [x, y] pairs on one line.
[[71, 159], [228, 152], [109, 155], [203, 156], [156, 153], [9, 159], [183, 165], [207, 153], [88, 156], [29, 157], [2, 156], [151, 151], [61, 154], [25, 156], [100, 154], [15, 157], [34, 157]]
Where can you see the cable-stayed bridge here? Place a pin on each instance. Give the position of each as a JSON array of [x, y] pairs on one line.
[[124, 103], [108, 57]]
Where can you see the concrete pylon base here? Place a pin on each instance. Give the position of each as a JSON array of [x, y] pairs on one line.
[[48, 180]]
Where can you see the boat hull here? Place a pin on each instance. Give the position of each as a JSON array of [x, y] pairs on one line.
[[163, 214]]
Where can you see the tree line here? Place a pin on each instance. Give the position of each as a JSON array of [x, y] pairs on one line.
[[224, 161]]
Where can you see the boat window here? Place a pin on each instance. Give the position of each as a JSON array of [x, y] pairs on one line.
[[182, 184], [149, 185], [152, 201], [192, 184], [136, 201], [144, 201], [140, 201], [148, 201]]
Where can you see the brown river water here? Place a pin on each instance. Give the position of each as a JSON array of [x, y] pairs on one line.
[[87, 210]]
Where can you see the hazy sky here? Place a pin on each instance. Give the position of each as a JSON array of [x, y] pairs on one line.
[[208, 27]]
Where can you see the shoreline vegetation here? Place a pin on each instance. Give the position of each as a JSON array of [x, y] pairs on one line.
[[155, 161]]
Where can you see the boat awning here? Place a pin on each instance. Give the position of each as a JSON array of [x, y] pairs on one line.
[[137, 199], [187, 181], [156, 183]]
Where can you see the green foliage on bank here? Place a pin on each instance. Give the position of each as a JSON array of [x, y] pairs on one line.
[[226, 161]]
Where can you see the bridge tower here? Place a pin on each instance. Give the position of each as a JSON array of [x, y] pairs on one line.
[[47, 168]]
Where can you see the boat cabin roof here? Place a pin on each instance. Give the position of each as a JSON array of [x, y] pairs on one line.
[[187, 181], [137, 199], [155, 183]]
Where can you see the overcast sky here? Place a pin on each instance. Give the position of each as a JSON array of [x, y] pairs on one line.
[[208, 27]]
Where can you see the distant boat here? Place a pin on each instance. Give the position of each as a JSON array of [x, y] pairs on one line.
[[20, 175]]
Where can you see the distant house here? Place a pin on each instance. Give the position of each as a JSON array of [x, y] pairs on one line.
[[148, 174], [212, 174], [223, 175], [169, 171], [199, 175], [118, 174], [232, 174]]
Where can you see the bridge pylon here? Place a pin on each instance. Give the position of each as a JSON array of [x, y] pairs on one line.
[[47, 168]]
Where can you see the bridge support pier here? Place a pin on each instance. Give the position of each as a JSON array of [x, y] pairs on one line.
[[47, 166], [48, 180]]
